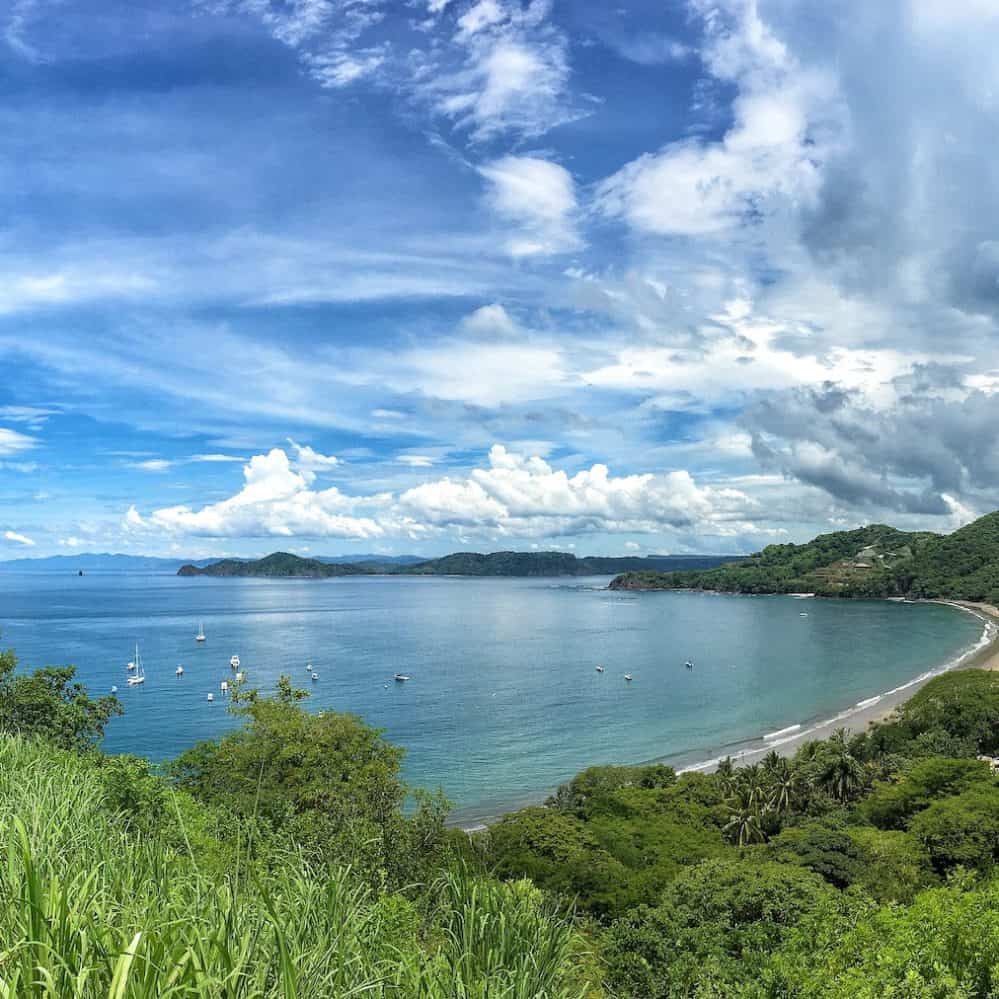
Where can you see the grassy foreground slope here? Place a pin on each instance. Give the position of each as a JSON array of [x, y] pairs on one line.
[[873, 561], [98, 905]]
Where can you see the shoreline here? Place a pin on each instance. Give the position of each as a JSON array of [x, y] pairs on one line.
[[984, 654]]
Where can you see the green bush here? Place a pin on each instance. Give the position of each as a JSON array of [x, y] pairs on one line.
[[713, 929], [963, 830], [892, 806]]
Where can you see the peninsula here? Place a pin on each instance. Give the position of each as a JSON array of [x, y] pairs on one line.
[[524, 564], [873, 561]]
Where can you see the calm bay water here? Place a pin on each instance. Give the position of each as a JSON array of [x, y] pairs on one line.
[[504, 701]]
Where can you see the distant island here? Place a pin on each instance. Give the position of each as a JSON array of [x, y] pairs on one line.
[[873, 561], [523, 564]]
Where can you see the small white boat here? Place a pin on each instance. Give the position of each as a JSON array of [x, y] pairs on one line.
[[200, 636], [179, 671], [224, 686], [211, 697], [309, 667], [628, 677], [114, 689], [689, 664], [401, 678], [135, 667], [239, 678], [234, 662], [600, 669], [803, 614], [315, 676]]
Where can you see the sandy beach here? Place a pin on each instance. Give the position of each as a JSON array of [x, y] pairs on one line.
[[858, 719]]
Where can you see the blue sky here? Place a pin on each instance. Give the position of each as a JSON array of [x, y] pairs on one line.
[[414, 276]]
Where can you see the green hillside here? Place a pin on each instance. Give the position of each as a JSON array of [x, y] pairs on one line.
[[873, 561]]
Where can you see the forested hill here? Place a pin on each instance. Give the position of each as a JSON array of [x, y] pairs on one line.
[[873, 561], [458, 564], [278, 564], [554, 564]]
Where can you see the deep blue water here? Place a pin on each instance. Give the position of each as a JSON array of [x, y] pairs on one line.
[[504, 701]]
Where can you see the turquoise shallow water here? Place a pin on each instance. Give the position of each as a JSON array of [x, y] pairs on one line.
[[504, 701]]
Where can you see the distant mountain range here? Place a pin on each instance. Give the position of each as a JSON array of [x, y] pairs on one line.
[[459, 564], [104, 562], [873, 561]]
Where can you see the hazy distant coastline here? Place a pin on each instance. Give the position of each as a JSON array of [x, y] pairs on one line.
[[507, 564]]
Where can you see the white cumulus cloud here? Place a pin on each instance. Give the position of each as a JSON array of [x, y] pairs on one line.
[[18, 539], [516, 496], [275, 501], [785, 122], [526, 497]]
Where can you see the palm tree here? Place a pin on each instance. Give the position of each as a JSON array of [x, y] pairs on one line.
[[752, 782], [743, 825], [842, 774], [785, 787]]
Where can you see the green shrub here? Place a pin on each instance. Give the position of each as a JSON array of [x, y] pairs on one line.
[[960, 831]]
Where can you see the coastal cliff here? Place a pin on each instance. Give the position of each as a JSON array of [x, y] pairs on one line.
[[873, 561]]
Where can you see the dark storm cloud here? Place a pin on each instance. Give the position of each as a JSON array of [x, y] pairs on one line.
[[906, 457]]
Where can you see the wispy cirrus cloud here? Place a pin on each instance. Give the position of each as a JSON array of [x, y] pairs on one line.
[[18, 539], [486, 66], [538, 198], [328, 35], [13, 442]]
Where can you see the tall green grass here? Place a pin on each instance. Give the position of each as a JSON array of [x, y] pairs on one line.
[[92, 909]]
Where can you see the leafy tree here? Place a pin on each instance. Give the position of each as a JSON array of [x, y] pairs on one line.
[[50, 705], [594, 791], [963, 830], [713, 928], [944, 946], [892, 806], [326, 780], [956, 714], [823, 847], [558, 853], [895, 867]]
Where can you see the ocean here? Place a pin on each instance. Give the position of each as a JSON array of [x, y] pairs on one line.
[[505, 701]]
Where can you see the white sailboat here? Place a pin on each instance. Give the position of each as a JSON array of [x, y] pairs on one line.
[[200, 636], [135, 667], [234, 662]]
